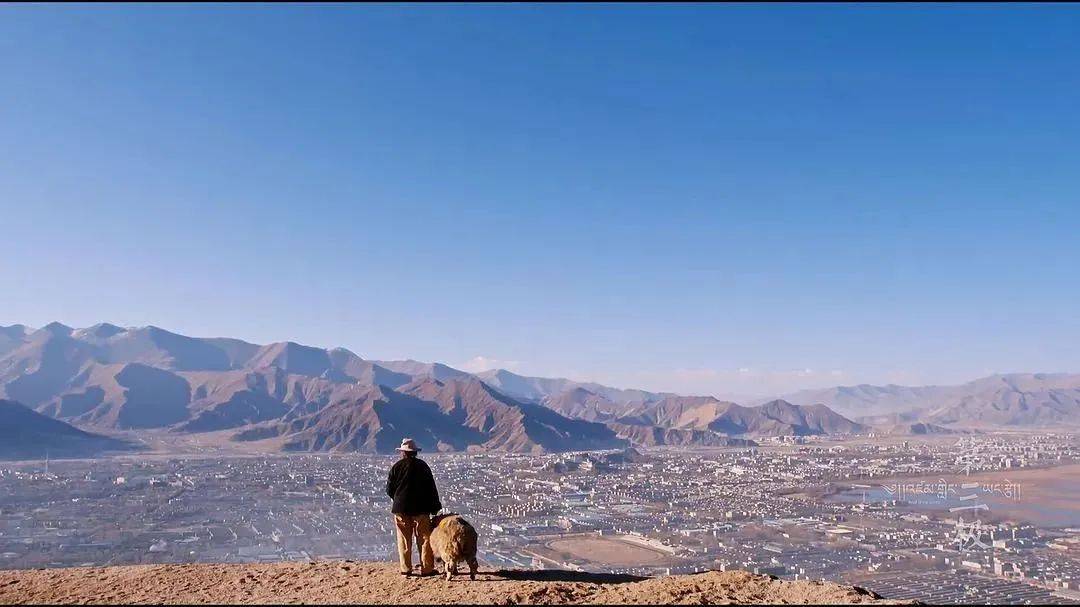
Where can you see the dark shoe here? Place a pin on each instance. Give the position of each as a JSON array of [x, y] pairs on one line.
[[428, 574], [406, 573]]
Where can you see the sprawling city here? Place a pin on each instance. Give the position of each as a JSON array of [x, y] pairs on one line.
[[539, 303], [977, 519]]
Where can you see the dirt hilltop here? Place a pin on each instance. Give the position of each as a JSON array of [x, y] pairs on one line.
[[379, 583]]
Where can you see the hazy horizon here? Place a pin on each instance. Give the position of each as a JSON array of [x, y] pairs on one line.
[[480, 366], [728, 200]]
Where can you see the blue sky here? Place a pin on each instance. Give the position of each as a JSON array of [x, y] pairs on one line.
[[708, 199]]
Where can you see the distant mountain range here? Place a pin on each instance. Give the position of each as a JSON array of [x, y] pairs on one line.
[[452, 415], [1019, 400], [300, 398], [1043, 400], [538, 388]]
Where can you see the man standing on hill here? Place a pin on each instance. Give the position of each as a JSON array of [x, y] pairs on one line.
[[412, 487]]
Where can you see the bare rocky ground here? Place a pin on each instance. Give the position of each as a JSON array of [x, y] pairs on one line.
[[379, 583]]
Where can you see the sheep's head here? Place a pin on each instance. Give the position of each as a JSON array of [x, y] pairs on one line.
[[438, 518]]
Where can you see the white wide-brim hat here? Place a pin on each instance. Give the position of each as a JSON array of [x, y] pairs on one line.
[[408, 444]]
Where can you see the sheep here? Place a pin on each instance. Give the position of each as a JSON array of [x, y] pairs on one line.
[[453, 539]]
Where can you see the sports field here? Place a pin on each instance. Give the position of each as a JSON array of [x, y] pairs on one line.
[[611, 551]]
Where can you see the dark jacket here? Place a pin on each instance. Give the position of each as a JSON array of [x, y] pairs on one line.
[[412, 487]]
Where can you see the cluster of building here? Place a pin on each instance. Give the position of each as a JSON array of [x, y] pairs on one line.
[[800, 509]]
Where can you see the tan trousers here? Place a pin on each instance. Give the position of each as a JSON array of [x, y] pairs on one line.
[[407, 526]]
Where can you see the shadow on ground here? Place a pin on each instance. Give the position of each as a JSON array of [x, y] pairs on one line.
[[557, 575]]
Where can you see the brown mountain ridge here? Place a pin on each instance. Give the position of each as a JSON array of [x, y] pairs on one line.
[[303, 398]]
